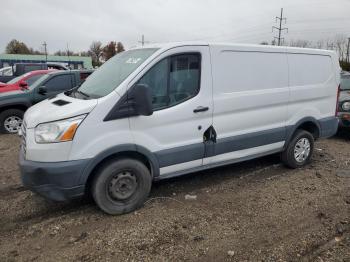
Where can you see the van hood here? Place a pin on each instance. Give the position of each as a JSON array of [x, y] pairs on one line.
[[57, 108]]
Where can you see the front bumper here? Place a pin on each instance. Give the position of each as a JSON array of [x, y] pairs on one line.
[[344, 119], [58, 181]]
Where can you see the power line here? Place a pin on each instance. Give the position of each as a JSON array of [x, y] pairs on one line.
[[280, 29]]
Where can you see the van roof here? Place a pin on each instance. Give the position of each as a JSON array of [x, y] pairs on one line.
[[231, 46]]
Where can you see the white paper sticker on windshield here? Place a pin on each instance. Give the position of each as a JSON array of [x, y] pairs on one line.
[[133, 60]]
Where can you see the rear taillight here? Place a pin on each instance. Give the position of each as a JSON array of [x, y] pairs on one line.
[[337, 104]]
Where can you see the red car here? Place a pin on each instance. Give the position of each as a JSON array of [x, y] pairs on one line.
[[23, 81]]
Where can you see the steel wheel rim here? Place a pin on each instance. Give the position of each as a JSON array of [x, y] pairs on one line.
[[122, 186], [13, 124], [302, 150]]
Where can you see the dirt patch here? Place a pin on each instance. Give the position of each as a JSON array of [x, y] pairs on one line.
[[253, 211]]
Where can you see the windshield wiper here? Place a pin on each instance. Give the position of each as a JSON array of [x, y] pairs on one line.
[[81, 92]]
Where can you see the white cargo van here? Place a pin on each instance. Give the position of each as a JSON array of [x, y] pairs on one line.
[[172, 109]]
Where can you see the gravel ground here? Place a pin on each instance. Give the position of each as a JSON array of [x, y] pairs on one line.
[[253, 211]]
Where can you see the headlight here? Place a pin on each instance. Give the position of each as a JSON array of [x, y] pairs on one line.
[[346, 106], [59, 131]]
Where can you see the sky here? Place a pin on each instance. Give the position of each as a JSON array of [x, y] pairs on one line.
[[79, 22]]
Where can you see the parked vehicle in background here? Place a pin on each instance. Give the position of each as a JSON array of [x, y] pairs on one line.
[[23, 81], [14, 104], [344, 100], [172, 109], [8, 73]]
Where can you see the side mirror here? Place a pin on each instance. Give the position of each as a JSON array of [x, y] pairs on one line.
[[23, 84], [138, 102], [142, 100], [42, 90]]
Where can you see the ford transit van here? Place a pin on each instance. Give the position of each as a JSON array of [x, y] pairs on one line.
[[172, 109]]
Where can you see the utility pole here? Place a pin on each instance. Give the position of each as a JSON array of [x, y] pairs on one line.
[[143, 42], [347, 51], [45, 50], [68, 56], [280, 29]]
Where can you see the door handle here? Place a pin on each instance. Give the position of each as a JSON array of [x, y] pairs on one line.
[[201, 109]]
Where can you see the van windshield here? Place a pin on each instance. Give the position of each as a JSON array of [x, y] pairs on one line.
[[112, 73], [345, 83]]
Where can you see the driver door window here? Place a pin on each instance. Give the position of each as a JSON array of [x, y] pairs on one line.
[[173, 80]]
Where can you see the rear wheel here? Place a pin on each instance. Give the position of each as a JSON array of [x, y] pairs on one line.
[[121, 186], [299, 150], [11, 121]]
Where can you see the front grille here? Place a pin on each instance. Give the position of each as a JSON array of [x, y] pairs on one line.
[[23, 138]]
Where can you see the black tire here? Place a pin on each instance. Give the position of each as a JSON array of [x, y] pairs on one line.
[[17, 113], [288, 157], [107, 186]]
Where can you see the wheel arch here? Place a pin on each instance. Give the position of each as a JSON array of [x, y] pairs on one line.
[[121, 151], [309, 124]]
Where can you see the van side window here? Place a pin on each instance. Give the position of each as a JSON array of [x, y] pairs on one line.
[[59, 83], [173, 80]]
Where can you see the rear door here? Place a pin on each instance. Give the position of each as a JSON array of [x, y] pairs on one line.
[[180, 80]]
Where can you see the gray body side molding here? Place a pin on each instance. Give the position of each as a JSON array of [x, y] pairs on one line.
[[327, 127]]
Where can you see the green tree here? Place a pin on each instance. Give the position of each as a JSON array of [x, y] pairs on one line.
[[17, 47]]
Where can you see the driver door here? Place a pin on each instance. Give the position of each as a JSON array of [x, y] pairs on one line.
[[180, 81]]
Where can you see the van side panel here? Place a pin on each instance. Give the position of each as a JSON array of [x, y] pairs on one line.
[[313, 88], [250, 93]]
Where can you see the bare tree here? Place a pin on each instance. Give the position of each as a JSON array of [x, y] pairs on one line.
[[320, 44], [341, 45], [95, 51], [300, 43]]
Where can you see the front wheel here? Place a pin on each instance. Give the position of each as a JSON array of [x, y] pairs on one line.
[[299, 150], [11, 121], [121, 186]]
